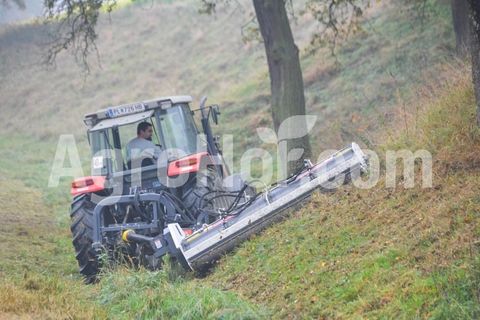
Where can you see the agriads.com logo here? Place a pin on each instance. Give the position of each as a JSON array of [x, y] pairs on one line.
[[140, 156]]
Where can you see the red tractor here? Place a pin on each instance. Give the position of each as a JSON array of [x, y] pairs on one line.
[[177, 196]]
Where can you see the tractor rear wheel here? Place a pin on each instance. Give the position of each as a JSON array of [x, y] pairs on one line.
[[81, 215]]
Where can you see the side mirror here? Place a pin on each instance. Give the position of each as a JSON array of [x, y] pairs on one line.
[[215, 110]]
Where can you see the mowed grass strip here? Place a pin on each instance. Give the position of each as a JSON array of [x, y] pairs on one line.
[[33, 284]]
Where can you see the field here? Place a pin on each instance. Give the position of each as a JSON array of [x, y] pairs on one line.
[[377, 253]]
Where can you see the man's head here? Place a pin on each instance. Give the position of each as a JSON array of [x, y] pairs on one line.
[[144, 130]]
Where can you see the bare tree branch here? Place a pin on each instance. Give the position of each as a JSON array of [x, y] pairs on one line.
[[335, 19], [75, 24]]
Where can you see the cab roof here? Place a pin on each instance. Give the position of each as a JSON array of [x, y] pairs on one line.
[[127, 110]]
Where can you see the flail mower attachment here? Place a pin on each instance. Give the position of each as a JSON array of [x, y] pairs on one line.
[[199, 249]]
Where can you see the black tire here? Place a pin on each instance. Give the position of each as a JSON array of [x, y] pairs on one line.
[[207, 182], [81, 215]]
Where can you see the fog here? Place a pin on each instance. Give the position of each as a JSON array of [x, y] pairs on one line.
[[11, 13]]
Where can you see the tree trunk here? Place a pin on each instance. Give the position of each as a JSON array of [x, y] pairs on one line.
[[461, 25], [285, 80], [475, 50]]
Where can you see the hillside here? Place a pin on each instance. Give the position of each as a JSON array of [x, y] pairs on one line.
[[395, 51], [370, 253], [378, 253], [383, 252]]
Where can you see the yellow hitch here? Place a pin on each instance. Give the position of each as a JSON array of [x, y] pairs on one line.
[[126, 233]]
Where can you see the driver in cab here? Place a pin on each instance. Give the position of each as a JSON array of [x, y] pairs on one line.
[[142, 148]]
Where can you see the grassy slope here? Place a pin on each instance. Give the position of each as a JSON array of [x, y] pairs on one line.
[[370, 253], [198, 55], [347, 263], [380, 252], [36, 259]]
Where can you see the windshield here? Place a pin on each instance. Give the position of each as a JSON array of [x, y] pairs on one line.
[[179, 131]]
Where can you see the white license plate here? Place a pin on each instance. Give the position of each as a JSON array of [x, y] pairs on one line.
[[123, 110]]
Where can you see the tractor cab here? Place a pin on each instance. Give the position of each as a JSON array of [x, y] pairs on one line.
[[178, 147]]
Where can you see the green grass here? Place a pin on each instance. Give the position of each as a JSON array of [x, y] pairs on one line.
[[38, 271], [152, 295], [379, 253]]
